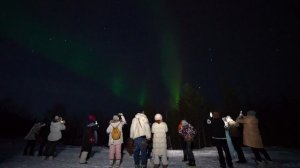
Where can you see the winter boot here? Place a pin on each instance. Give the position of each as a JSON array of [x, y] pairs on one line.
[[260, 164], [156, 166], [111, 163], [165, 166], [191, 163], [117, 163], [83, 156]]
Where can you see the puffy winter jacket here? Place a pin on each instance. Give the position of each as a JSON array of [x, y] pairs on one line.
[[55, 131], [140, 126], [188, 132]]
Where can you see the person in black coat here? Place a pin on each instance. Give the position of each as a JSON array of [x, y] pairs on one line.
[[90, 138], [219, 139], [42, 137]]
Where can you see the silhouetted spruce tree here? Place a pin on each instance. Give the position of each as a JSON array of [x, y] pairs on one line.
[[191, 108], [232, 105]]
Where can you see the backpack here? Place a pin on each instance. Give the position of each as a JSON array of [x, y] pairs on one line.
[[116, 133]]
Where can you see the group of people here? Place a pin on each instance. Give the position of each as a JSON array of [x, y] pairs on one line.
[[141, 133], [251, 138], [49, 135]]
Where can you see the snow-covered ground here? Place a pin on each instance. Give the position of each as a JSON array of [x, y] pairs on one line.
[[67, 157]]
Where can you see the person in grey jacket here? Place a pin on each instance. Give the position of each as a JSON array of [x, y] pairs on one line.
[[57, 125], [31, 138]]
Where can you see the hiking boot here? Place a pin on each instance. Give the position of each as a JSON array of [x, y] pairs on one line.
[[260, 164], [156, 166], [117, 163], [191, 163], [241, 161]]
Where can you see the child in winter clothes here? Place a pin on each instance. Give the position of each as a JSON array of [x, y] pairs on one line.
[[90, 137], [113, 142], [57, 125], [159, 130], [31, 138], [188, 132]]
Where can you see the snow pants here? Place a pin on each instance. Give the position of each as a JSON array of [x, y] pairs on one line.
[[114, 151]]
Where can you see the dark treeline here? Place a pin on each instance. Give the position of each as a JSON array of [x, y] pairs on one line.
[[277, 119]]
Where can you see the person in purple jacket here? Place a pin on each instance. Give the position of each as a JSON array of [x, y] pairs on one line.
[[188, 132]]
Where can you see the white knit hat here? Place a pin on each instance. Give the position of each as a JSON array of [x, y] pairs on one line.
[[157, 117], [116, 118]]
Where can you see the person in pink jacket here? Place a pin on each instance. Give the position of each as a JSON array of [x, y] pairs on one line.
[[252, 137]]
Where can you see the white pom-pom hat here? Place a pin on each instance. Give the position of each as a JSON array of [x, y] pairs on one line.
[[158, 117]]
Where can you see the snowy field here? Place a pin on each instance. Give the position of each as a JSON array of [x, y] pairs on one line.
[[67, 157]]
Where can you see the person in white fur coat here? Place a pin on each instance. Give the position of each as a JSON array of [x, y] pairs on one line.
[[140, 133], [159, 130]]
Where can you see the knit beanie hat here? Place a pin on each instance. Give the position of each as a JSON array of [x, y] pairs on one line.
[[92, 118], [116, 118], [251, 113], [157, 117]]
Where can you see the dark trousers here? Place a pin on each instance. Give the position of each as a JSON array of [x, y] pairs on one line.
[[221, 145], [87, 148], [237, 143], [50, 148], [42, 145], [183, 146], [141, 145], [189, 151], [256, 152], [30, 144]]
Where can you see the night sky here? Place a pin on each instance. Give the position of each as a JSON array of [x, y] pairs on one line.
[[116, 55]]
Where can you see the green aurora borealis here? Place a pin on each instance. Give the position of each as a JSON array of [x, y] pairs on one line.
[[73, 51]]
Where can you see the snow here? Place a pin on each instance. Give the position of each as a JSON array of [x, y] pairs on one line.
[[67, 157]]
